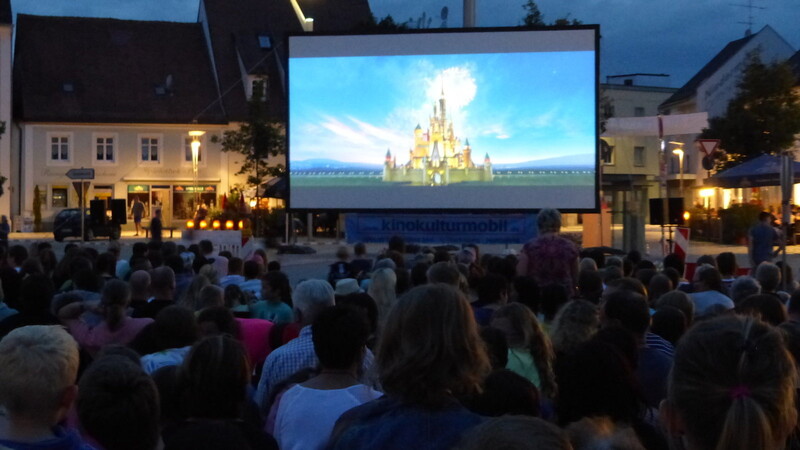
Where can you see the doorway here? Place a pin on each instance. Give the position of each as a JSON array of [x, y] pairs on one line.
[[162, 200]]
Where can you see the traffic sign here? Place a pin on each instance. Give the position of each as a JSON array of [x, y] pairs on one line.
[[80, 174], [708, 146]]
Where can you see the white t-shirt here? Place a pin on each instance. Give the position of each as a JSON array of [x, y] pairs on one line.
[[306, 417]]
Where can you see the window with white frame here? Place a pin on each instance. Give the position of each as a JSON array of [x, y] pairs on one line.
[[187, 151], [105, 148], [59, 147], [150, 148]]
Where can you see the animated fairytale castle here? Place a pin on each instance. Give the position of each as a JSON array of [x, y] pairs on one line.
[[437, 158]]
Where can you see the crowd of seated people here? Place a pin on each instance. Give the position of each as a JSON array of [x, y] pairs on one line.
[[442, 348]]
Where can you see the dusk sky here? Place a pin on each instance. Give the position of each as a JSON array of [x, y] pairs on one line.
[[674, 37], [517, 107]]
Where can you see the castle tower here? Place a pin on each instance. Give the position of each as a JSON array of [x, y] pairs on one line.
[[442, 106], [435, 157], [468, 155]]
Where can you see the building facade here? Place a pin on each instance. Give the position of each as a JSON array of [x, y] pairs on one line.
[[121, 97]]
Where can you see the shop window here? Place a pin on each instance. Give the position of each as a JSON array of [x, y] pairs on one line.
[[60, 197]]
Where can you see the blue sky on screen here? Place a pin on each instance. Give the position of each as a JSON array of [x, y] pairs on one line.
[[517, 107]]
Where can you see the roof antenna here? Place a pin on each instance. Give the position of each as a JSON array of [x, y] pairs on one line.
[[749, 22]]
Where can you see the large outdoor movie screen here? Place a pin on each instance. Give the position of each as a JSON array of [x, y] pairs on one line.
[[471, 121]]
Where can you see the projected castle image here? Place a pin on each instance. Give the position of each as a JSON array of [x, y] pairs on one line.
[[438, 156]]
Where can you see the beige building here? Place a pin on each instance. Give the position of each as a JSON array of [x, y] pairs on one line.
[[121, 97], [630, 164]]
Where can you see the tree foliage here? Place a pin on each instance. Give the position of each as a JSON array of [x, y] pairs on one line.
[[257, 139], [535, 18], [764, 117]]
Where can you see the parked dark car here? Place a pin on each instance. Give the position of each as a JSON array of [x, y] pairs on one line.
[[68, 224]]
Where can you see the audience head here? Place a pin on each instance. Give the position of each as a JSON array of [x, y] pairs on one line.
[[162, 283], [139, 284], [659, 285], [39, 367], [175, 327], [595, 433], [769, 276], [430, 349], [35, 294], [118, 405], [515, 433], [496, 346], [275, 286], [493, 289], [505, 392], [340, 336], [744, 287], [211, 296], [548, 220], [628, 309], [310, 297], [214, 377], [707, 278], [444, 272], [590, 285], [115, 298], [574, 324], [726, 263], [670, 323], [598, 380], [675, 261], [732, 386], [764, 307], [217, 320]]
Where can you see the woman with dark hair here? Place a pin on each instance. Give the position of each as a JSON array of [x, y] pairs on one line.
[[115, 328], [213, 381], [174, 331], [597, 379], [307, 412], [430, 354], [276, 294]]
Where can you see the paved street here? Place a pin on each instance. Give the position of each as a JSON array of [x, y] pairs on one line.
[[300, 267]]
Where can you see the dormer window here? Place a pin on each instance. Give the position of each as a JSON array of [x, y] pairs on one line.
[[264, 41], [161, 91], [68, 87]]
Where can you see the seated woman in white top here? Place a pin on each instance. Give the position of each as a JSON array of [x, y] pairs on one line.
[[308, 411]]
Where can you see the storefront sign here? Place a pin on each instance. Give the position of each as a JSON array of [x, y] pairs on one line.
[[203, 189]]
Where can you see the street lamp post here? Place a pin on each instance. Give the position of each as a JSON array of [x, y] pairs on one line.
[[679, 152], [195, 162]]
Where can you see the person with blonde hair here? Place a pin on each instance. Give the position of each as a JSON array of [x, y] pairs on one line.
[[37, 388], [430, 354], [191, 298], [530, 352], [382, 290], [733, 386]]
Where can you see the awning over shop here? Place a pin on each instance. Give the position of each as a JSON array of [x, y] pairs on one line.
[[764, 170], [274, 188]]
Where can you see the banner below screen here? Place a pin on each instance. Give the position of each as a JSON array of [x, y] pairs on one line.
[[435, 228]]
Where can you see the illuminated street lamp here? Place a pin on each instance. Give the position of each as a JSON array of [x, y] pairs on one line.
[[679, 151], [195, 162]]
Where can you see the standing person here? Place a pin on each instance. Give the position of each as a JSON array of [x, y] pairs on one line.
[[137, 211], [761, 240], [5, 228], [550, 258], [157, 226]]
